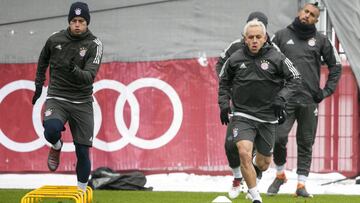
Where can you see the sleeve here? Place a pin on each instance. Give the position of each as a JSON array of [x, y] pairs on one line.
[[43, 64], [275, 40], [332, 60], [292, 78], [225, 55], [88, 73], [225, 82]]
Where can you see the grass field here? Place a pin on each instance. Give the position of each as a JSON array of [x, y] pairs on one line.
[[106, 196]]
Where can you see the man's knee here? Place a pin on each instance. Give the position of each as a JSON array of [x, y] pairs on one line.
[[245, 158], [52, 130], [264, 164]]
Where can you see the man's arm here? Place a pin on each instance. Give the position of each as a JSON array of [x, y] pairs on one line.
[[92, 64], [292, 79], [225, 82], [224, 96], [226, 54], [42, 65], [332, 59]]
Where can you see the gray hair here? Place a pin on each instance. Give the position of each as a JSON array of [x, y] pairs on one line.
[[254, 23]]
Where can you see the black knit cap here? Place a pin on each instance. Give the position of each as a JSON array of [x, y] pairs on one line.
[[80, 9], [258, 15]]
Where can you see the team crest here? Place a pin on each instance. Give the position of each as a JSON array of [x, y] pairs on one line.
[[48, 112], [312, 42], [82, 51], [235, 132], [78, 11], [264, 64]]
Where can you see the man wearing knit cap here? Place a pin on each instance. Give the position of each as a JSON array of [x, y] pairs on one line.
[[231, 150], [73, 56]]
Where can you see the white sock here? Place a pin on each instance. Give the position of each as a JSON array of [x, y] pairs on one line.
[[254, 160], [255, 194], [236, 172], [280, 169], [82, 186], [57, 145], [302, 179]]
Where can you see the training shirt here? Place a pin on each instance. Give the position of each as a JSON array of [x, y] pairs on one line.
[[252, 82], [306, 56], [76, 84]]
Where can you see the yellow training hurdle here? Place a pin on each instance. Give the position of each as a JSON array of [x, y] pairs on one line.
[[58, 192]]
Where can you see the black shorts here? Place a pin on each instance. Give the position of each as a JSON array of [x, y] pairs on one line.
[[80, 118], [261, 134]]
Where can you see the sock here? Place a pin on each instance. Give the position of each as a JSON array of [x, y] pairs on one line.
[[280, 169], [254, 160], [57, 145], [255, 194], [302, 179], [237, 173], [82, 186]]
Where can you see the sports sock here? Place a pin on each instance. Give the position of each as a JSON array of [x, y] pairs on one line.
[[57, 145], [302, 179], [280, 169], [255, 194], [82, 186], [237, 173]]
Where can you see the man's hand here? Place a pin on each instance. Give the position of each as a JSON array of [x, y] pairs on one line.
[[72, 65], [279, 109], [282, 117], [37, 94], [319, 97], [224, 115]]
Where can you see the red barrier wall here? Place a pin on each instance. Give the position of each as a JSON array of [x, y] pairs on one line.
[[158, 116]]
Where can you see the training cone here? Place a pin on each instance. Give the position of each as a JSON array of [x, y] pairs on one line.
[[221, 199]]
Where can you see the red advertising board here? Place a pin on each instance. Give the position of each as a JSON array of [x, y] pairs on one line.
[[159, 116], [148, 115]]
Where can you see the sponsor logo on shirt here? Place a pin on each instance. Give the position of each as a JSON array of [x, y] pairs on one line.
[[243, 66], [316, 112], [290, 42], [58, 46]]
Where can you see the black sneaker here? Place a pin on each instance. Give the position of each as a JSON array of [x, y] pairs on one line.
[[256, 201], [275, 185], [54, 158], [301, 191]]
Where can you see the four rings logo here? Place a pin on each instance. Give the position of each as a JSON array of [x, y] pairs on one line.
[[128, 133]]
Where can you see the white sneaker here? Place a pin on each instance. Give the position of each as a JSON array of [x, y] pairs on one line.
[[237, 188]]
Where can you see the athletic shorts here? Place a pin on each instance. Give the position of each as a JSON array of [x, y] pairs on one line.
[[80, 118], [261, 134]]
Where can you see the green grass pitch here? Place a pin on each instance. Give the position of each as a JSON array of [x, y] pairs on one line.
[[106, 196]]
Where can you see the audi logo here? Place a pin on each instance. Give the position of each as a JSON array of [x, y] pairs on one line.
[[128, 133]]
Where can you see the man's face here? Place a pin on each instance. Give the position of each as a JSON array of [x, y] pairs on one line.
[[309, 14], [255, 39], [78, 25]]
